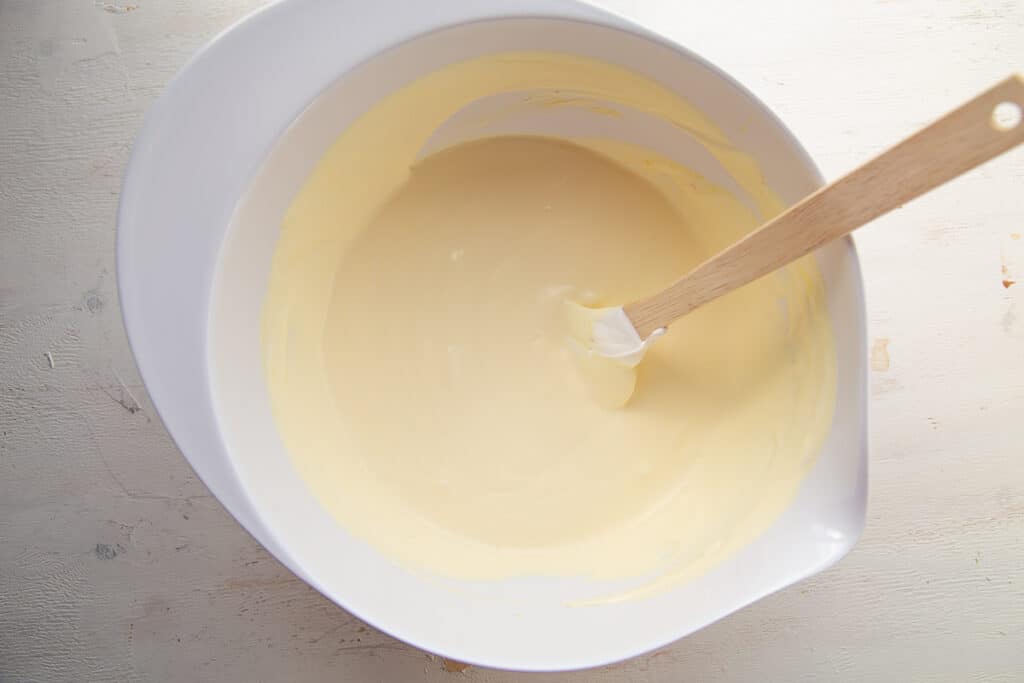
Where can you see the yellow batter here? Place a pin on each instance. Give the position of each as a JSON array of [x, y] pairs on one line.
[[423, 385]]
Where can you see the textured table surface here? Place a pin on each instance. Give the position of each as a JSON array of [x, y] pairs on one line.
[[116, 564]]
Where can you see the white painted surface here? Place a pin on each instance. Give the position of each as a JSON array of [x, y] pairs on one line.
[[115, 564]]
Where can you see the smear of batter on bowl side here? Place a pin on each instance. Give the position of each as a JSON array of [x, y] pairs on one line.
[[425, 391]]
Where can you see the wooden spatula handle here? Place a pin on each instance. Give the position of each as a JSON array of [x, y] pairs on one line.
[[952, 145]]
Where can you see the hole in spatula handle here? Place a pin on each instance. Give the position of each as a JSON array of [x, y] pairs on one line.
[[1006, 116]]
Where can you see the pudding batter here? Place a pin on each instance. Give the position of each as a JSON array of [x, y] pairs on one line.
[[416, 303]]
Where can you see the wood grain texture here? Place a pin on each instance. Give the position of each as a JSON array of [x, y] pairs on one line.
[[952, 145], [116, 564]]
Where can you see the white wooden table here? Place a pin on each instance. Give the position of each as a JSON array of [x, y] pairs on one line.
[[116, 564]]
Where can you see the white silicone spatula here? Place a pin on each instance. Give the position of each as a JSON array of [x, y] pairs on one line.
[[980, 130]]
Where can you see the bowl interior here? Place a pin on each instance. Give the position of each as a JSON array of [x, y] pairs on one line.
[[523, 623]]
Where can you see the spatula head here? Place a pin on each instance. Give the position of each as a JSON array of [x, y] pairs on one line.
[[607, 332]]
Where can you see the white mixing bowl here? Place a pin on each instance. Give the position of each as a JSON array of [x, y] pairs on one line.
[[217, 161]]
